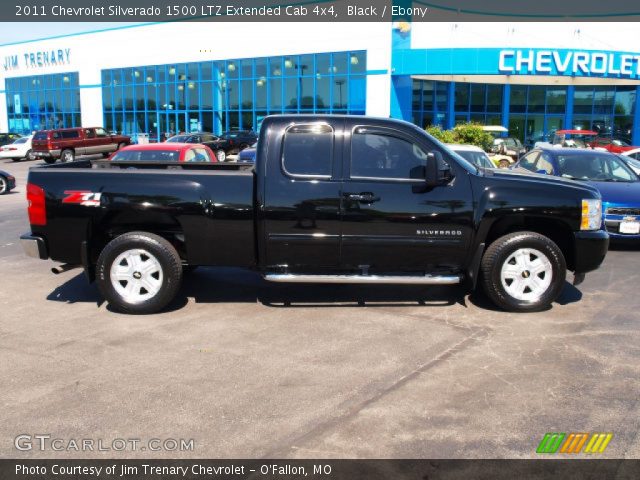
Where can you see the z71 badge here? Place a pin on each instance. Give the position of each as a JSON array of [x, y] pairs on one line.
[[82, 197]]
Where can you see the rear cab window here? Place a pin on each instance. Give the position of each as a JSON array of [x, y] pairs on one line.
[[307, 151]]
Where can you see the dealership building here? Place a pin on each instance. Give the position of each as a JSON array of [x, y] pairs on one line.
[[163, 78]]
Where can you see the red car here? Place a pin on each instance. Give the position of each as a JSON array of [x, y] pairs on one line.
[[166, 152], [613, 145], [67, 143]]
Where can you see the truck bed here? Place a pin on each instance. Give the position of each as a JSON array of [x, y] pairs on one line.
[[207, 207]]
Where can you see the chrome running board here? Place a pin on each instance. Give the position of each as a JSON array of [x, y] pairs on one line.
[[383, 279]]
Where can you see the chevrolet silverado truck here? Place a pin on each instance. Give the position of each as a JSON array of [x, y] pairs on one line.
[[330, 199], [67, 143]]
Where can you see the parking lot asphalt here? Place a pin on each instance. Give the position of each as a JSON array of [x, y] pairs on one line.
[[248, 370]]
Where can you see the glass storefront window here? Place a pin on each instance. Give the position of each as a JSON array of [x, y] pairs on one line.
[[625, 100], [44, 102], [233, 93]]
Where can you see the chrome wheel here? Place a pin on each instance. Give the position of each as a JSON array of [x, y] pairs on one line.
[[67, 156], [221, 156], [3, 186], [136, 275], [526, 274]]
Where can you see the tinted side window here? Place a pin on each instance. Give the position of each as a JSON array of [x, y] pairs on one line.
[[307, 150], [89, 133], [529, 161], [69, 134], [376, 155], [544, 163], [40, 136]]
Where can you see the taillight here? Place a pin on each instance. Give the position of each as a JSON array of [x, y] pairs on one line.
[[37, 208]]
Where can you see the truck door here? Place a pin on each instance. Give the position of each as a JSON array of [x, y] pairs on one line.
[[301, 206], [392, 222]]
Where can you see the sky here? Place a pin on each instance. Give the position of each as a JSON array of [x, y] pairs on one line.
[[16, 32]]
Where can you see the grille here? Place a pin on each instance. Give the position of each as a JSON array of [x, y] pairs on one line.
[[623, 211]]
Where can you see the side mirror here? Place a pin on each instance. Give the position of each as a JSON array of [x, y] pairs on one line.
[[436, 171]]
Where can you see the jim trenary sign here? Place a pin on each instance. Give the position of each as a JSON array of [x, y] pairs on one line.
[[42, 58], [569, 62]]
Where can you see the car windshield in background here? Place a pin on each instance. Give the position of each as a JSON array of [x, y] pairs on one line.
[[479, 159], [180, 139], [147, 156], [620, 143], [22, 140], [596, 168]]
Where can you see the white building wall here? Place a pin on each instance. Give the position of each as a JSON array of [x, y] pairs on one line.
[[178, 42], [618, 36]]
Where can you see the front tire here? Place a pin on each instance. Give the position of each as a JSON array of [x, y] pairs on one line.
[[4, 186], [139, 273], [221, 156], [523, 272]]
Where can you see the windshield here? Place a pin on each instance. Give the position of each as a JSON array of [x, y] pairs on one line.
[[620, 143], [179, 139], [147, 155], [597, 168], [477, 158], [22, 140]]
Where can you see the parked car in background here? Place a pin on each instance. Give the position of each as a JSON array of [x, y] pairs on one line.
[[617, 183], [248, 154], [509, 146], [613, 145], [7, 182], [6, 138], [20, 149], [472, 154], [573, 138], [229, 143], [67, 143], [209, 139], [165, 152]]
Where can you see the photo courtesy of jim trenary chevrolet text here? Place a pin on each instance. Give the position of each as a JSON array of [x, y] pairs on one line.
[[350, 239]]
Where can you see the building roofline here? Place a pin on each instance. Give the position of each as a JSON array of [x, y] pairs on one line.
[[76, 34]]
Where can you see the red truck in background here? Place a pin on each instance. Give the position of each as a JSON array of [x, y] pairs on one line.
[[67, 143]]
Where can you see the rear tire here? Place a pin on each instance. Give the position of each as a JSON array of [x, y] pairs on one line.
[[28, 155], [139, 273], [50, 160], [4, 186], [67, 155], [523, 272]]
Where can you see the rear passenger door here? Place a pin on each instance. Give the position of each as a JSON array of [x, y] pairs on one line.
[[301, 206]]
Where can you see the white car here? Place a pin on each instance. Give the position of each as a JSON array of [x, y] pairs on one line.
[[633, 159], [472, 154], [18, 150]]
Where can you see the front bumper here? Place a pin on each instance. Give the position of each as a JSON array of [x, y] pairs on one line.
[[34, 246], [590, 249]]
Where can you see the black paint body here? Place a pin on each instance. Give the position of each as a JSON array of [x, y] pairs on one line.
[[264, 218]]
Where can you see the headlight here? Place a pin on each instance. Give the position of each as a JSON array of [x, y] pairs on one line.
[[591, 214]]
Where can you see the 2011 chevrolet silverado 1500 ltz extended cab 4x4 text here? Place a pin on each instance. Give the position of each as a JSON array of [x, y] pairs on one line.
[[330, 199]]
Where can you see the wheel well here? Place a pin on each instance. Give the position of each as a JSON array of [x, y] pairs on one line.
[[100, 238], [555, 230]]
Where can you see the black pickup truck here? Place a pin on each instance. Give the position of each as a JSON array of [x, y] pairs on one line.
[[330, 199]]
